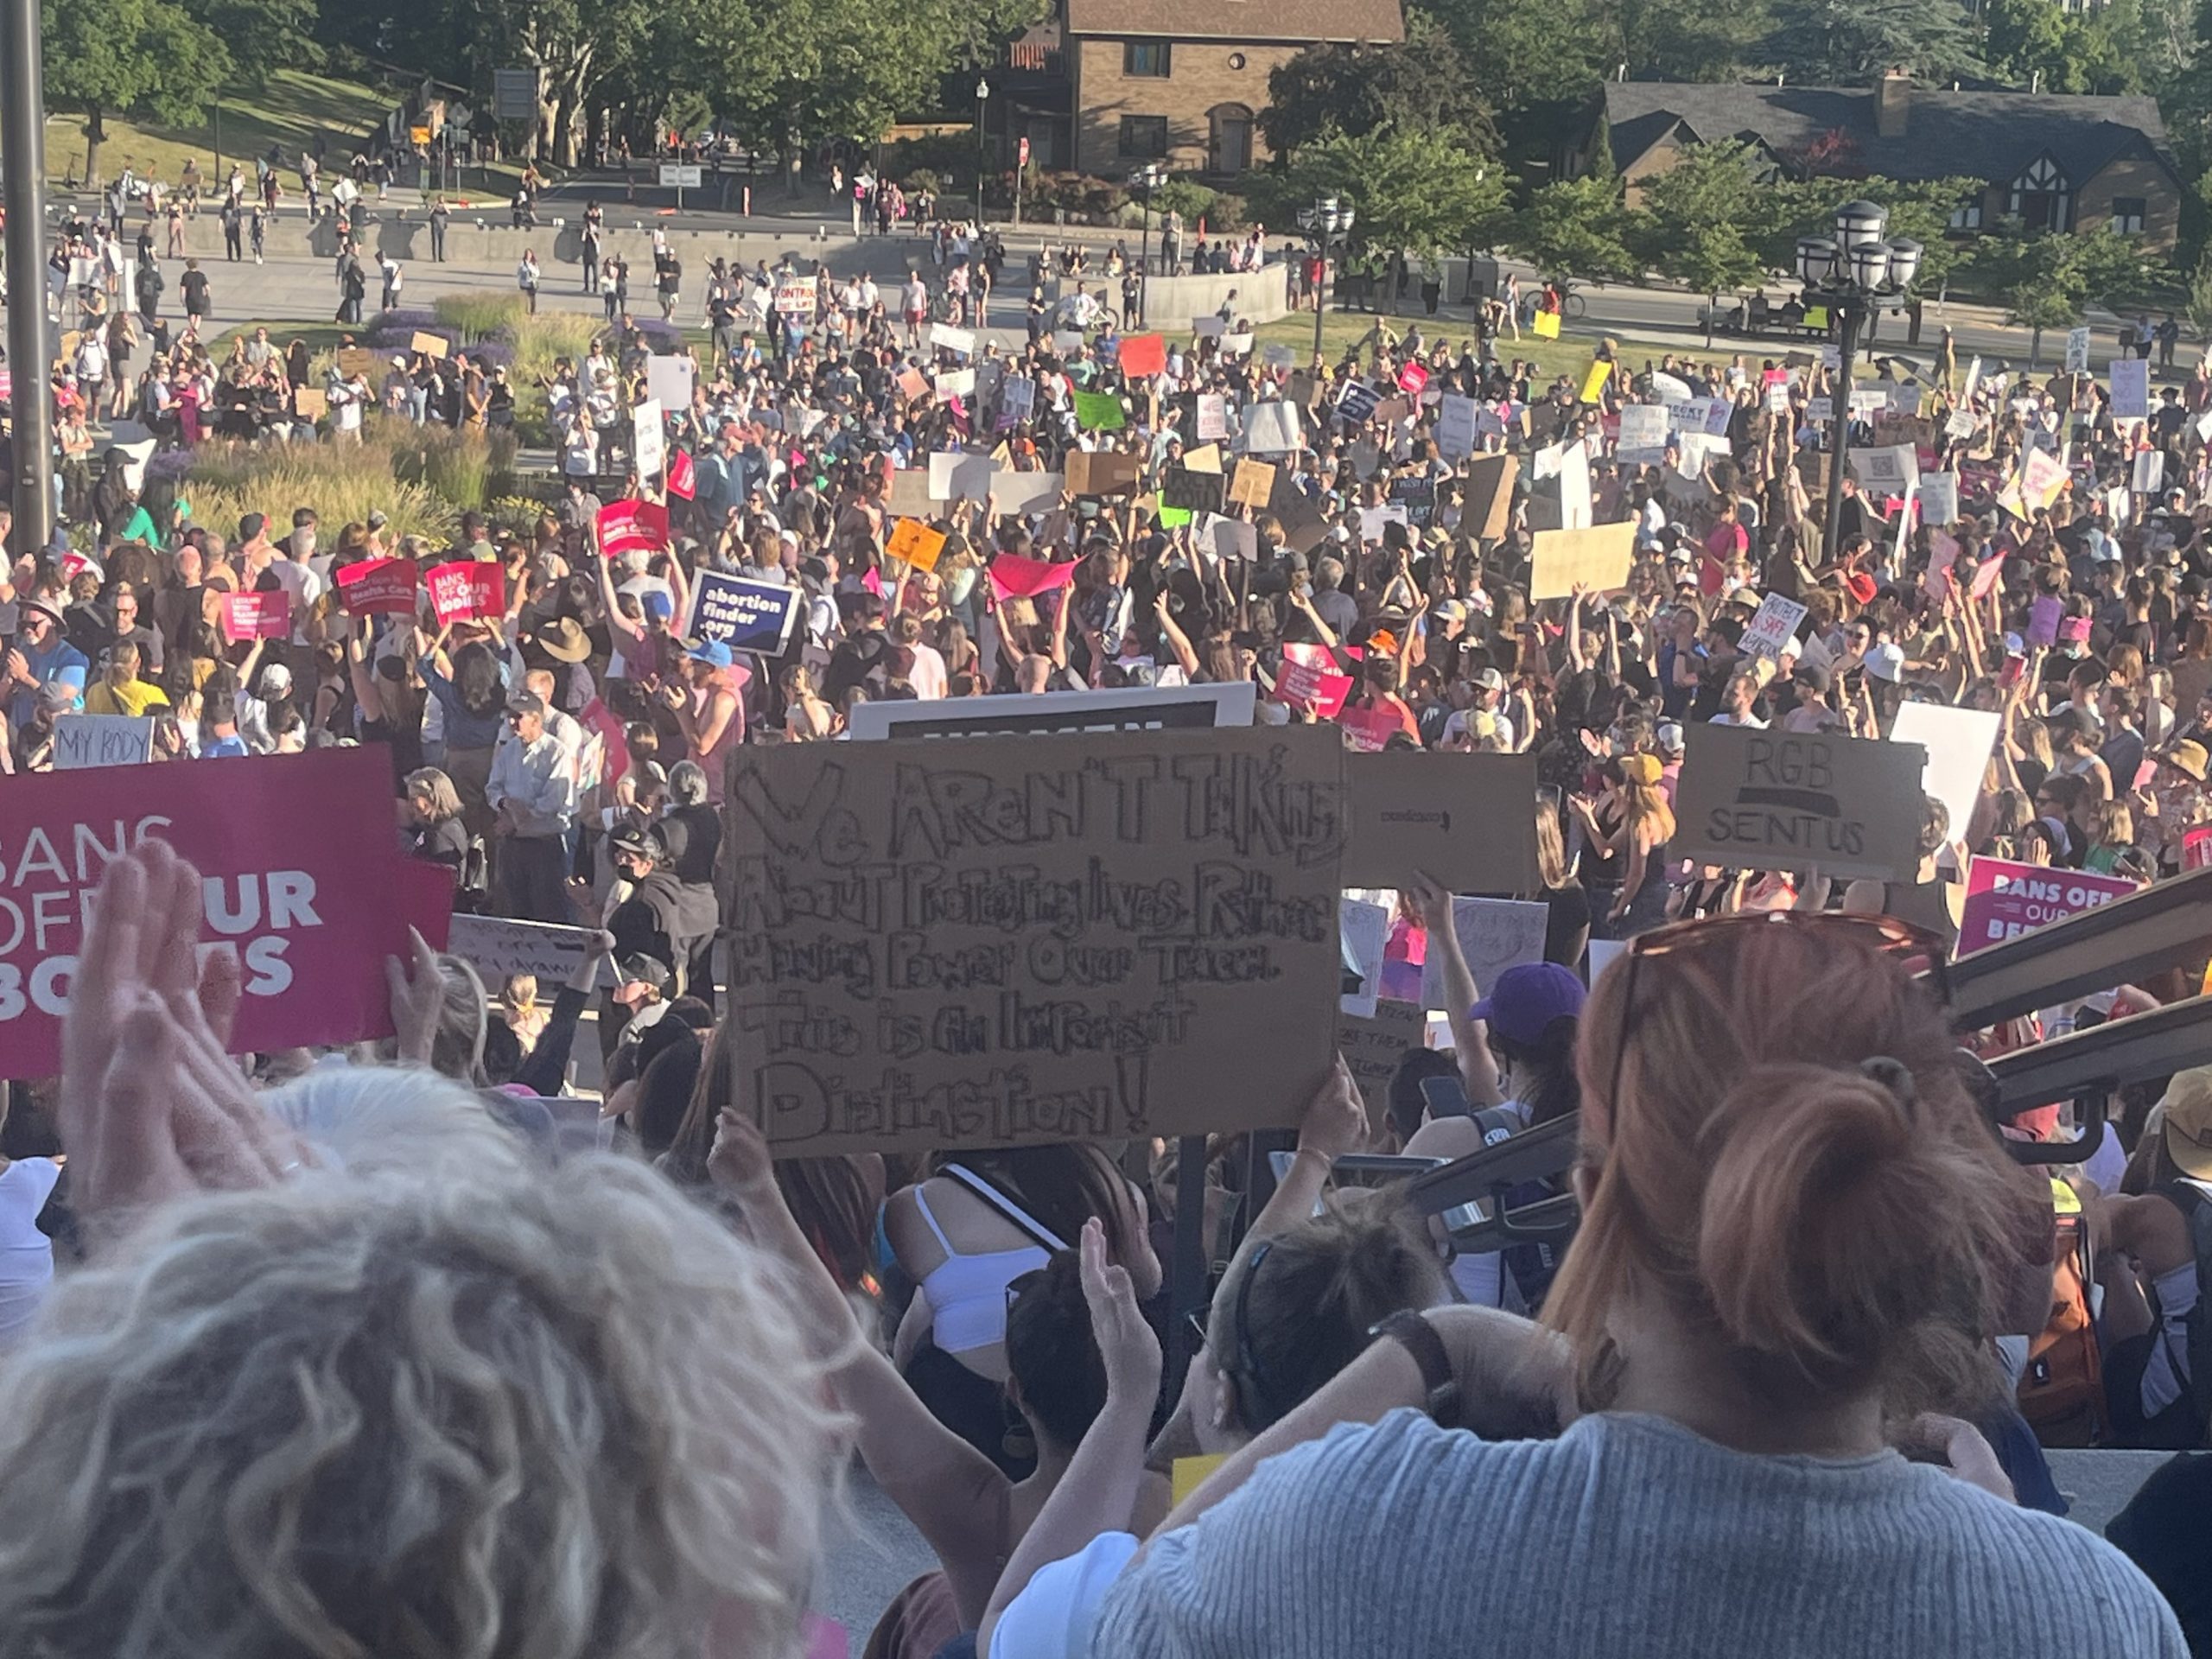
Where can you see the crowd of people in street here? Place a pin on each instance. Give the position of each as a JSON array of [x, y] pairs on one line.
[[1813, 1330]]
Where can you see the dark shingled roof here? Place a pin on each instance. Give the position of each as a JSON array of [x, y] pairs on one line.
[[1241, 20], [1982, 134]]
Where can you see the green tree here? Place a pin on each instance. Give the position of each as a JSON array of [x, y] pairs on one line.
[[1920, 208], [1700, 222], [1421, 81], [2046, 280], [1523, 52], [2197, 304], [1579, 228], [146, 58], [1416, 191], [1850, 42], [1690, 40], [262, 34]]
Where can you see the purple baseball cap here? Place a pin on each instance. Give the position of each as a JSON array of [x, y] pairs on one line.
[[1527, 999]]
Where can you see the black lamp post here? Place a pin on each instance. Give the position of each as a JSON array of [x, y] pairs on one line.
[[983, 97], [1327, 223], [1150, 177], [1857, 273]]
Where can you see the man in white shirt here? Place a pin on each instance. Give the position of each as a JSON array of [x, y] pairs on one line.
[[1736, 707], [533, 788]]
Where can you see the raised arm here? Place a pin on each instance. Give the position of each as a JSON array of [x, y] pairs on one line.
[[1470, 1036]]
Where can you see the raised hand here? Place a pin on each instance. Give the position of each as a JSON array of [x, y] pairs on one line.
[[1126, 1342]]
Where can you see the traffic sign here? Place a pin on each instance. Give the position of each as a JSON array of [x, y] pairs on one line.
[[514, 94], [675, 175]]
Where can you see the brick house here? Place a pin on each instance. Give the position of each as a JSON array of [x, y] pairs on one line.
[[1107, 85], [2056, 162]]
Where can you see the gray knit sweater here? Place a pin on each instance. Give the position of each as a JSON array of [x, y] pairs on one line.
[[1628, 1537]]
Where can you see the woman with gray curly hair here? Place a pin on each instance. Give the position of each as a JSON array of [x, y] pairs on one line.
[[442, 1401]]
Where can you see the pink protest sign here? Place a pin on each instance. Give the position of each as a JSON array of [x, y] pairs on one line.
[[631, 527], [257, 616], [305, 883], [683, 476], [378, 588], [2196, 848], [1986, 578], [468, 591], [2006, 899], [1016, 577]]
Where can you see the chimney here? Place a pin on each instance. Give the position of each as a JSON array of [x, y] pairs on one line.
[[1893, 105]]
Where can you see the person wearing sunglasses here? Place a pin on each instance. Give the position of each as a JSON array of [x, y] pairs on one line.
[[1798, 1237]]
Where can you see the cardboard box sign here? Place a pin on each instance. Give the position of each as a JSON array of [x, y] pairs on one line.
[[915, 543], [1601, 557], [428, 344], [1192, 492], [1772, 800], [499, 948], [1374, 1048], [1010, 940], [1469, 820], [305, 883], [1102, 472], [1253, 484], [1489, 505], [354, 360], [84, 740]]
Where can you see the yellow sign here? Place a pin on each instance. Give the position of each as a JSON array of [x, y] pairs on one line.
[[916, 542], [418, 134], [1594, 384], [1545, 325], [1185, 1474]]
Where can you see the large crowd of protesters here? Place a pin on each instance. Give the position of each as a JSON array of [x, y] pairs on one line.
[[339, 1353]]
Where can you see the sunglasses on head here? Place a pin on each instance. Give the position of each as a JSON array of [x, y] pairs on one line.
[[1917, 951]]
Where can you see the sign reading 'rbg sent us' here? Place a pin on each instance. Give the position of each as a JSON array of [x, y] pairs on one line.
[[1767, 800]]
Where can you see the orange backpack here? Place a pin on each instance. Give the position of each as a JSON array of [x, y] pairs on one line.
[[2061, 1392]]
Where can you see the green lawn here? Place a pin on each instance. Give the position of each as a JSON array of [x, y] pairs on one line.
[[288, 111]]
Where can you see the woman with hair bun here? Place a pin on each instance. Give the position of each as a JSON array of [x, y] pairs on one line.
[[1798, 1235]]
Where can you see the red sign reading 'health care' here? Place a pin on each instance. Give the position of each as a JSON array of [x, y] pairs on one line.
[[304, 882], [2006, 900]]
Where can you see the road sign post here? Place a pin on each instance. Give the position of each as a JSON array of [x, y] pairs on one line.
[[680, 176]]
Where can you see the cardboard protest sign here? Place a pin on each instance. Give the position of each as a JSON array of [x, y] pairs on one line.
[[1938, 499], [1233, 538], [1016, 399], [945, 338], [257, 616], [2077, 351], [2043, 617], [378, 588], [1468, 821], [956, 383], [1208, 328], [1068, 342], [1774, 626], [910, 492], [85, 740], [499, 948], [1206, 458], [1024, 493], [1102, 472], [1455, 426], [744, 614], [304, 884], [2130, 388], [2004, 899], [1959, 742], [428, 344], [1489, 505], [1769, 800], [1643, 435], [2150, 472], [916, 542], [1892, 470], [356, 360], [1254, 485], [1195, 491], [1099, 411], [1593, 380], [311, 402], [1992, 571], [1211, 419], [1364, 929], [467, 590], [1131, 708], [631, 527], [1273, 429], [1374, 1048], [1600, 557], [1494, 934], [1008, 940], [1412, 379], [954, 474]]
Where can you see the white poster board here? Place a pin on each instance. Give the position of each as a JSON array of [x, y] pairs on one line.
[[1959, 743], [1494, 934]]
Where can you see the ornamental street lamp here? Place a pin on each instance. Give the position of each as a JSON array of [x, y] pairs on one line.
[[1858, 274], [1327, 223], [1148, 178], [983, 97]]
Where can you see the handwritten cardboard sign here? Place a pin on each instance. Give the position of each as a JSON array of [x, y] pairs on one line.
[[1490, 496], [744, 614], [428, 344], [1364, 929], [356, 362], [257, 616], [1494, 934], [83, 741], [632, 527], [378, 588], [916, 542], [2006, 900], [1599, 558], [499, 948], [304, 884], [471, 590], [1007, 941], [1253, 484], [1775, 627], [1468, 821], [1769, 800], [1102, 472], [1375, 1047], [1192, 491]]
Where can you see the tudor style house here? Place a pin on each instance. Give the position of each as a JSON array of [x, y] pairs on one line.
[[2054, 163], [1105, 86]]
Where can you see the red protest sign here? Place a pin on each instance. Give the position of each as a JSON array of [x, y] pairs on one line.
[[468, 591], [2196, 848], [301, 872], [2006, 899], [1413, 379], [1985, 579], [257, 616], [1143, 355], [632, 527], [1016, 577], [378, 588], [683, 477], [1303, 685]]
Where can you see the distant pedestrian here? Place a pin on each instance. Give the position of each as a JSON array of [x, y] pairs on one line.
[[393, 279], [439, 215], [193, 286], [526, 277], [233, 230], [260, 233]]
